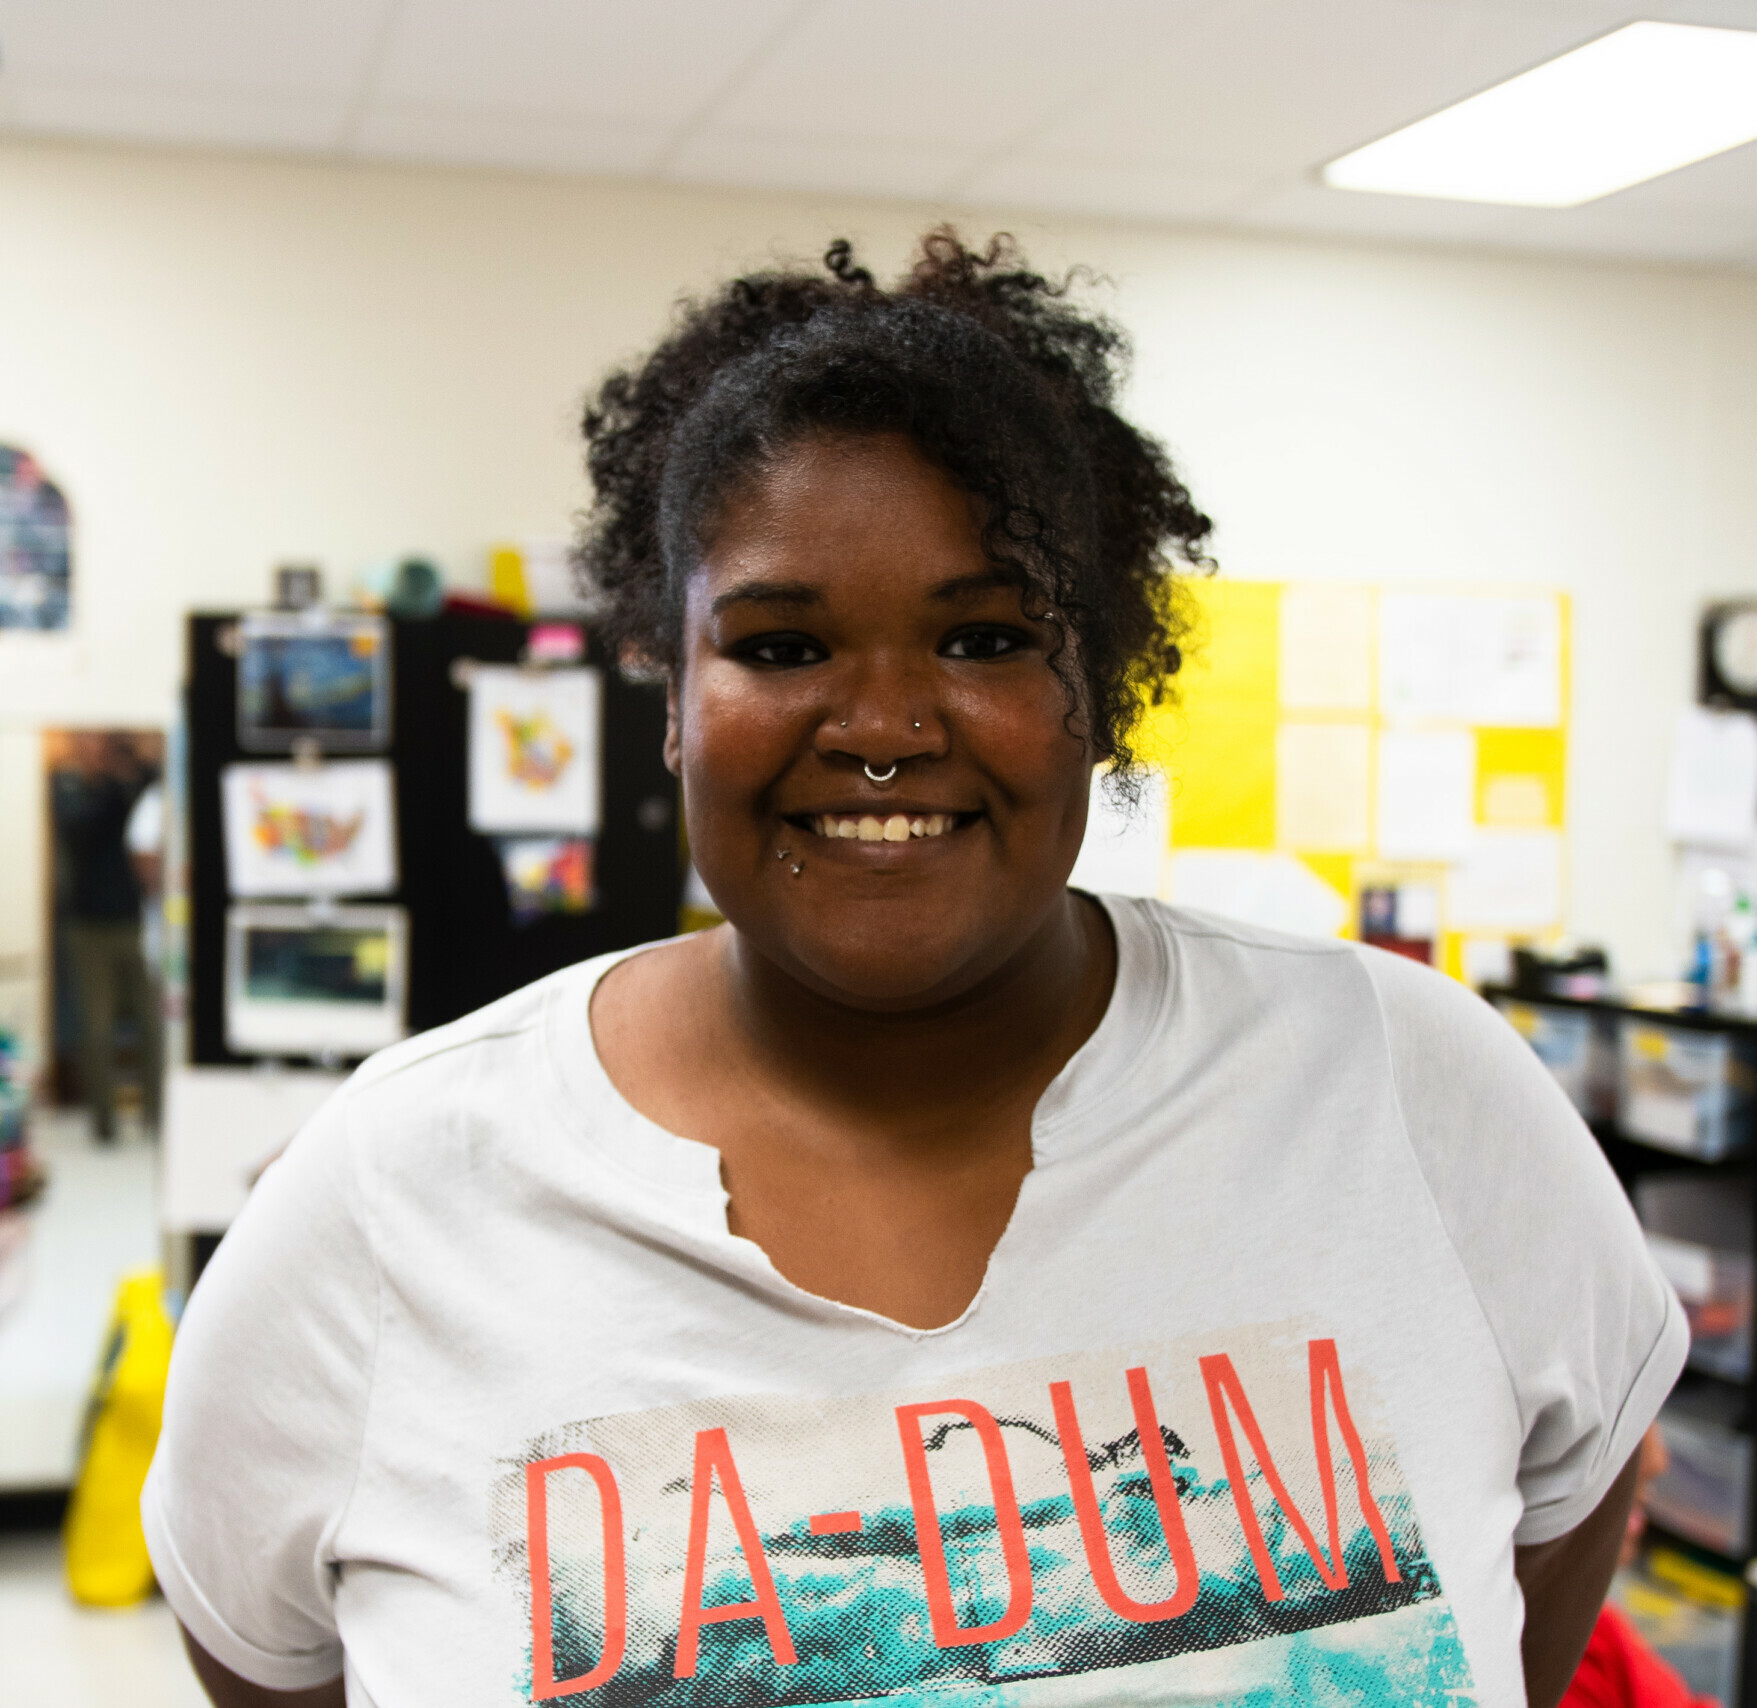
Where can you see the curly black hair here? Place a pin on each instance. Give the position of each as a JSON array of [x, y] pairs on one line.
[[994, 374]]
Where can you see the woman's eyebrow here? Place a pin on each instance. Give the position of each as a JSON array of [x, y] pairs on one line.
[[766, 593], [962, 587]]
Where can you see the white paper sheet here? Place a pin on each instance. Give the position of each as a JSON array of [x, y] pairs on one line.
[[1711, 796], [1326, 648], [1511, 880], [1126, 847], [222, 1126], [1272, 890], [323, 830], [1471, 658], [1427, 793], [1322, 786], [534, 750]]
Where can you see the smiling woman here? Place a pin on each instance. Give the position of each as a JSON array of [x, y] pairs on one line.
[[934, 1283]]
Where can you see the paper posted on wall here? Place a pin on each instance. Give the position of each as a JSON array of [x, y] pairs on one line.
[[1511, 880], [1487, 659], [321, 830], [1427, 794], [1711, 795], [534, 750], [1277, 891]]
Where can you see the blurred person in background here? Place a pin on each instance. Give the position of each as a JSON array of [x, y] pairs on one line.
[[93, 794], [1618, 1669]]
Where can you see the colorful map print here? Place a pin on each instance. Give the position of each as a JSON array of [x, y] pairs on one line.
[[1199, 1525], [536, 751], [306, 835]]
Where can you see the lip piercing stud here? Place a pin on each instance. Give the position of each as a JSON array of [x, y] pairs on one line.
[[880, 777], [800, 867]]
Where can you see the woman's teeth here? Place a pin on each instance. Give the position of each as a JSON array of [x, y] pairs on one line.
[[899, 827]]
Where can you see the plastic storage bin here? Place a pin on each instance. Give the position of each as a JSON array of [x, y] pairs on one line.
[[1704, 1495], [1699, 1229], [1684, 1090], [1575, 1045]]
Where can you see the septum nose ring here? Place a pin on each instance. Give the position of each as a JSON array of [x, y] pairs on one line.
[[880, 777]]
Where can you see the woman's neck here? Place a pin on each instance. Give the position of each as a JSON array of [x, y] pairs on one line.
[[1007, 1036]]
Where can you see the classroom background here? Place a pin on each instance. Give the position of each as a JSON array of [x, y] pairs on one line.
[[306, 740]]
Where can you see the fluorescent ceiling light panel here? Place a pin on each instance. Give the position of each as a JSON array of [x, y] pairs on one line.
[[1643, 100]]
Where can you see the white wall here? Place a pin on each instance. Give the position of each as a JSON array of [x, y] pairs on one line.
[[231, 362]]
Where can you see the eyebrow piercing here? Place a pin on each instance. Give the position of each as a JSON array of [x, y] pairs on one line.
[[782, 853], [918, 723], [880, 777], [798, 868]]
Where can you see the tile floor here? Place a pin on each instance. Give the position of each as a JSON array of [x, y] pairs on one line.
[[54, 1654], [96, 1222]]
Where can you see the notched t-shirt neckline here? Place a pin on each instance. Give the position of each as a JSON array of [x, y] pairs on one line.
[[1079, 1102]]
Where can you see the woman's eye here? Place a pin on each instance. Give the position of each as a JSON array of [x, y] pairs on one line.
[[785, 652], [984, 643]]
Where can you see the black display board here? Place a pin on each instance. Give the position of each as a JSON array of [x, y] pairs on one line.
[[464, 949]]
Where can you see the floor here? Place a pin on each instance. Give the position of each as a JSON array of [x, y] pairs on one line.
[[96, 1222], [54, 1654]]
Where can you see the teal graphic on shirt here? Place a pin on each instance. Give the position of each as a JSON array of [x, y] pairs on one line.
[[1222, 1523]]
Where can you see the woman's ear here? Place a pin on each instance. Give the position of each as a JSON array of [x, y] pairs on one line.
[[673, 735]]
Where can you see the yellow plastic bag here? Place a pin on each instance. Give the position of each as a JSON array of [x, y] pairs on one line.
[[107, 1564]]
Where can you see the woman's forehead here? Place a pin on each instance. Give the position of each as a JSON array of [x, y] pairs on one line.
[[831, 513]]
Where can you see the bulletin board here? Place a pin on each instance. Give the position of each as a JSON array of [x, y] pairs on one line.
[[1331, 739], [405, 828]]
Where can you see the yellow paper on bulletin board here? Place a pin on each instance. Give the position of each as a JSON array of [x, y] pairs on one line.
[[1281, 747]]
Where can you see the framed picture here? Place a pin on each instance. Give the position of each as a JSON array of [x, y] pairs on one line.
[[317, 830], [304, 981], [313, 676], [534, 750]]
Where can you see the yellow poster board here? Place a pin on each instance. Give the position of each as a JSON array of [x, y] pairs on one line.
[[1348, 738]]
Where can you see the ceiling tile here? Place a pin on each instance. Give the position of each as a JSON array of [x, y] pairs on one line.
[[1291, 83], [834, 165], [203, 117], [312, 46], [1723, 180], [520, 141], [1124, 189], [655, 62], [921, 73], [1697, 234], [1299, 204]]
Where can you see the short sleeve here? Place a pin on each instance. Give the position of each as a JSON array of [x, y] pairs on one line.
[[264, 1417], [1592, 1336]]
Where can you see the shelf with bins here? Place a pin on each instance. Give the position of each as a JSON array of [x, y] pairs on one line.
[[1672, 1098]]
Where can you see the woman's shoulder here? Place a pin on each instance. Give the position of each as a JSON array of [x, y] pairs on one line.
[[493, 1064]]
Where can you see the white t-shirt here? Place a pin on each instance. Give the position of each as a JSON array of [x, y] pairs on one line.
[[1318, 1298]]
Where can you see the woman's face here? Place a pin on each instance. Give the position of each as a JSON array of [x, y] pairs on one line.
[[844, 615]]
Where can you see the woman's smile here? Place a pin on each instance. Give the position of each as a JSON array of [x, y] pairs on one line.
[[897, 824]]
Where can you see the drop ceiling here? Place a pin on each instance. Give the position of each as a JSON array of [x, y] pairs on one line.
[[1209, 112]]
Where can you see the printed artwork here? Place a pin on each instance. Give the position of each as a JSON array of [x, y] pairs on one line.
[[322, 677], [534, 750], [1211, 1524], [36, 564], [547, 874], [295, 830]]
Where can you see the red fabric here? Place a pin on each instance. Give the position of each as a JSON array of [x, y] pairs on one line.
[[1618, 1670]]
